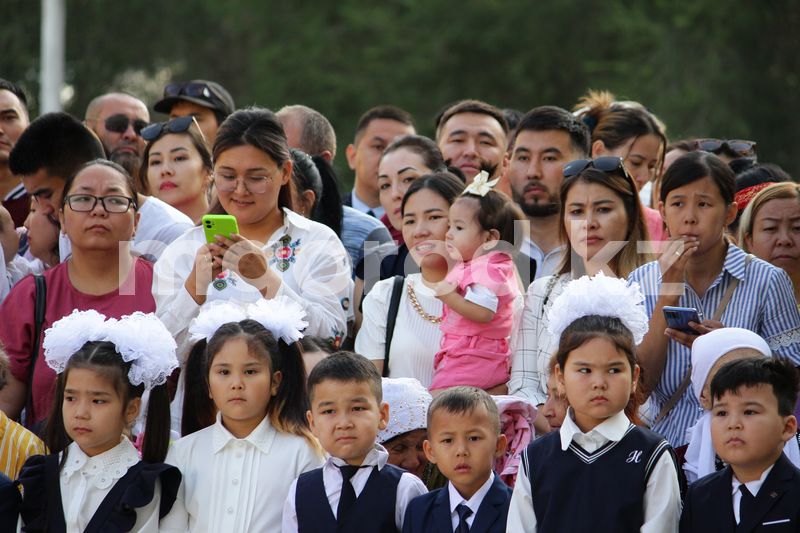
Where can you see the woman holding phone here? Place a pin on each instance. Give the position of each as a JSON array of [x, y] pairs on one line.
[[700, 269], [274, 253]]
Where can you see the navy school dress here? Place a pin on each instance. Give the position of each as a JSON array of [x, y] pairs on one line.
[[42, 510], [602, 491], [372, 512]]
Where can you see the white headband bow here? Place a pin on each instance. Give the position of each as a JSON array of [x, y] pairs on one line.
[[481, 185], [599, 295], [141, 339], [282, 317]]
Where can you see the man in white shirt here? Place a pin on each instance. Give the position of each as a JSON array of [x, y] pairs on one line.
[[376, 129], [546, 139]]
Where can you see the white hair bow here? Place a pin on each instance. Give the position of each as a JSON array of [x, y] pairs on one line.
[[481, 184]]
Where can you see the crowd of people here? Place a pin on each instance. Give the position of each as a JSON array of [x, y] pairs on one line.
[[558, 320]]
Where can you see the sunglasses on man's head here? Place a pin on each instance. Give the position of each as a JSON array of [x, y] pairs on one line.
[[119, 124], [176, 125], [604, 164], [739, 147], [192, 88]]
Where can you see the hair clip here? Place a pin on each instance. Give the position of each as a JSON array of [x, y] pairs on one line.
[[481, 184]]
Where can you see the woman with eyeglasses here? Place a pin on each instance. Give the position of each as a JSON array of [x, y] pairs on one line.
[[99, 213], [276, 252], [701, 269], [177, 166], [601, 219], [627, 130]]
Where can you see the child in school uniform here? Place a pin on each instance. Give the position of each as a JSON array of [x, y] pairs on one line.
[[598, 472], [751, 421], [464, 439], [710, 352], [237, 471], [356, 489], [94, 480]]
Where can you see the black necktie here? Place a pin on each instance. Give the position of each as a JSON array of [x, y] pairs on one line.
[[348, 496], [463, 512], [747, 505], [371, 213]]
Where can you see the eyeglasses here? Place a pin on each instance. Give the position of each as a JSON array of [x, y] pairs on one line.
[[119, 124], [254, 184], [176, 125], [83, 203], [604, 164], [738, 147]]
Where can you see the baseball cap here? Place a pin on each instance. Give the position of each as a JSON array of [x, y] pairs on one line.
[[201, 92]]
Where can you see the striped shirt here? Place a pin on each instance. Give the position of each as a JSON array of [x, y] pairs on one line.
[[763, 302], [16, 445]]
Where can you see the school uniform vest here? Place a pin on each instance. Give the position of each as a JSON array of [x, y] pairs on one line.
[[603, 491], [373, 511]]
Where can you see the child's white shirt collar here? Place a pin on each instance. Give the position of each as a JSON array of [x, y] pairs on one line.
[[102, 470], [377, 456], [612, 429], [261, 437], [473, 503], [752, 486]]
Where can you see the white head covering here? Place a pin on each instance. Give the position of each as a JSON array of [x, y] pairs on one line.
[[408, 407], [708, 348]]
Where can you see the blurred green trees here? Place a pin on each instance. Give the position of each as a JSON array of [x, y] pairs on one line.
[[706, 67]]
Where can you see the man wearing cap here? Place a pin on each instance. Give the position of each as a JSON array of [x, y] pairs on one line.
[[207, 101], [118, 119]]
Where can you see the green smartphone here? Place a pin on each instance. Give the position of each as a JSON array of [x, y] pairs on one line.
[[219, 225]]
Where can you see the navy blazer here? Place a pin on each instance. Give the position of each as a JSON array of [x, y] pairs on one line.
[[10, 501], [709, 503], [430, 513]]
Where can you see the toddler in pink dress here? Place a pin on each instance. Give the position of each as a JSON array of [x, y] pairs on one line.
[[478, 310]]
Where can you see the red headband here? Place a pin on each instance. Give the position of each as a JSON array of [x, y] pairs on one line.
[[745, 196]]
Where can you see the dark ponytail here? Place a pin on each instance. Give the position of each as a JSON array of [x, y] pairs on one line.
[[198, 408]]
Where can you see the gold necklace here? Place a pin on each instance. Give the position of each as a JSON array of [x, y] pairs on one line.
[[412, 297]]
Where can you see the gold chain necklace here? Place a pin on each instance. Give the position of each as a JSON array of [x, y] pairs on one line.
[[412, 297]]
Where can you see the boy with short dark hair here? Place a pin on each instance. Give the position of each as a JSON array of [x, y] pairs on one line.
[[752, 419], [463, 441], [355, 490]]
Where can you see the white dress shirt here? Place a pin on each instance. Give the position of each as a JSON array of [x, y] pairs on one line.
[[235, 485], [473, 503], [85, 481], [662, 498], [409, 487], [546, 263], [360, 205], [314, 269], [752, 486]]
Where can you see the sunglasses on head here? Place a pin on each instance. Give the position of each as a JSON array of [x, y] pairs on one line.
[[193, 89], [119, 124], [176, 125], [605, 164], [739, 147]]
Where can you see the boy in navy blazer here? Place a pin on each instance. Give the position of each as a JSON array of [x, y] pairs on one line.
[[463, 441], [752, 419]]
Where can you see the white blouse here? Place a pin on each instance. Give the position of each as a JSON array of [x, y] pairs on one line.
[[535, 346], [85, 481], [236, 485], [310, 260], [415, 341]]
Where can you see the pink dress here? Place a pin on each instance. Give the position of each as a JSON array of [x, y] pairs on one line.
[[473, 353]]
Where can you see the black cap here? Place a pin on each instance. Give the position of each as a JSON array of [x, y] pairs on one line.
[[201, 92]]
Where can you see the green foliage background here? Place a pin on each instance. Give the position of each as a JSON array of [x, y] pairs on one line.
[[706, 67]]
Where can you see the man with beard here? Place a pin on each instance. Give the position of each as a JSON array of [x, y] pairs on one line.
[[13, 121], [473, 136], [118, 119], [546, 139]]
